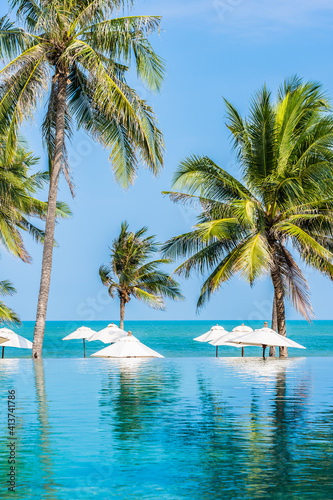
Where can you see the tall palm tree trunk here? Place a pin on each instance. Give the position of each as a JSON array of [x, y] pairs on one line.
[[122, 312], [50, 218], [279, 304], [274, 326]]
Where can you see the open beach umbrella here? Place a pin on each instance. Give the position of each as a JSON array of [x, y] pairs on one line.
[[14, 340], [242, 329], [266, 337], [109, 334], [127, 347], [214, 333], [81, 333], [225, 339]]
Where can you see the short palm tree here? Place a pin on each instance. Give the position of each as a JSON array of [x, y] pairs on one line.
[[18, 208], [131, 273], [283, 204], [75, 55]]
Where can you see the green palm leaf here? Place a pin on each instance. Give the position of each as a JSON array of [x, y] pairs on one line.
[[284, 198], [133, 271]]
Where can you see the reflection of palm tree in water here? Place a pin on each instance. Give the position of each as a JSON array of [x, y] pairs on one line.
[[44, 445], [281, 454], [272, 451], [242, 452], [222, 435], [221, 447], [303, 444], [288, 420], [211, 440]]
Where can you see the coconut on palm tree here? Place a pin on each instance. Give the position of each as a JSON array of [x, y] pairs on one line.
[[75, 56], [18, 208], [281, 208], [133, 273]]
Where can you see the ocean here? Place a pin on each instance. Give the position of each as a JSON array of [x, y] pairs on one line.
[[175, 338]]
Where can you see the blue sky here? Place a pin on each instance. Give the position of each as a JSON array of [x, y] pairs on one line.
[[212, 49]]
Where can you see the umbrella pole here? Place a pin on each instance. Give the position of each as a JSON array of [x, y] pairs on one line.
[[242, 352], [217, 351], [263, 351], [3, 352], [84, 348]]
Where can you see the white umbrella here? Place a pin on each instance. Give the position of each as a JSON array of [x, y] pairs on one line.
[[109, 334], [226, 339], [14, 340], [81, 333], [127, 347], [266, 337], [242, 329], [214, 333]]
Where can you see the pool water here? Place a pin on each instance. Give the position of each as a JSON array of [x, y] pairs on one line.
[[177, 428]]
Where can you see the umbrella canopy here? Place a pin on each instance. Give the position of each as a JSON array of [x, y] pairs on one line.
[[226, 339], [127, 347], [268, 337], [109, 334], [242, 329], [81, 333], [15, 340], [214, 333], [3, 340]]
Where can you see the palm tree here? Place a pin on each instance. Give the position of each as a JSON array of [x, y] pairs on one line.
[[18, 207], [131, 273], [283, 203], [7, 315], [75, 55]]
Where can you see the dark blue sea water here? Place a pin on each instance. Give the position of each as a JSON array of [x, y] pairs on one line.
[[175, 338]]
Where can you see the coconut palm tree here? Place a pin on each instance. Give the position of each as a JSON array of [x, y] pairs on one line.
[[282, 206], [131, 273], [75, 55], [7, 315], [18, 208]]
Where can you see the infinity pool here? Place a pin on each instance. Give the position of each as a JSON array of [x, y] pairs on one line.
[[181, 428]]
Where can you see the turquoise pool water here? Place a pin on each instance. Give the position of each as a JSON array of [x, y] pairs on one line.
[[175, 338], [174, 428]]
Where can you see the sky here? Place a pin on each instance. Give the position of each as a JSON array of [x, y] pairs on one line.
[[212, 49]]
